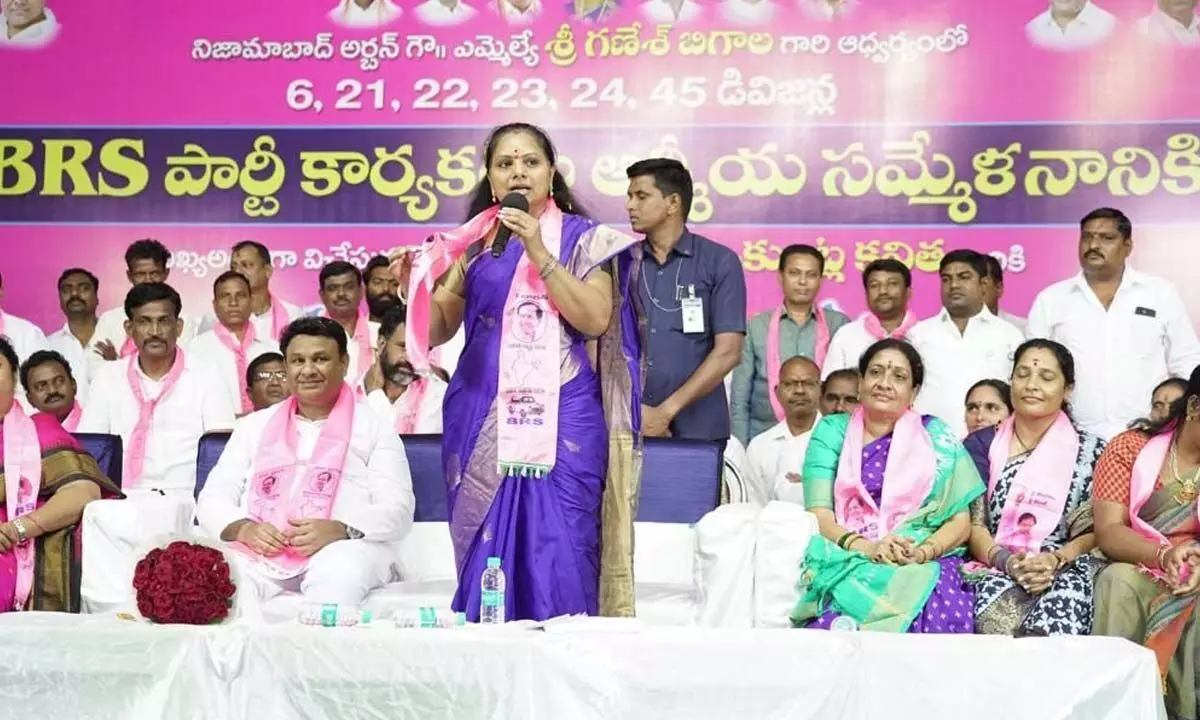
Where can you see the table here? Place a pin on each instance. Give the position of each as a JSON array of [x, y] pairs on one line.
[[98, 667]]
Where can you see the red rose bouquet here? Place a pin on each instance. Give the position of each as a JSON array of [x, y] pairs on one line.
[[184, 582]]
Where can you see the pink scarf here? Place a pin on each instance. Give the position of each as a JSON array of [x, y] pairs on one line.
[[135, 453], [1039, 488], [71, 421], [22, 482], [775, 362], [362, 338], [240, 355], [279, 319], [128, 347], [907, 478], [528, 387], [408, 406], [272, 496], [871, 324], [1146, 469]]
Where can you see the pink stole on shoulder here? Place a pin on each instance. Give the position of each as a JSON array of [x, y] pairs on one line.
[[875, 329], [775, 362], [71, 421], [907, 477], [22, 482], [1039, 488], [528, 387], [366, 354], [135, 452], [1146, 469], [240, 356], [408, 406], [273, 495]]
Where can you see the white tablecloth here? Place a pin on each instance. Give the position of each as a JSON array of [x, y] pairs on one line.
[[96, 667]]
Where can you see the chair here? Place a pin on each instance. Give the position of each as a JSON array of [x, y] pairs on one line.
[[107, 450], [207, 454], [681, 480], [429, 482]]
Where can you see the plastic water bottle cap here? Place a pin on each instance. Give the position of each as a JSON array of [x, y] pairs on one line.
[[844, 623], [493, 563]]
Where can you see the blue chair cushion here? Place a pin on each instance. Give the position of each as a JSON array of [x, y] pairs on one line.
[[107, 450], [207, 454], [429, 482], [681, 480]]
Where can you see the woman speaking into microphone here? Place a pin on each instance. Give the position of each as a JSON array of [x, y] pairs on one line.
[[541, 448]]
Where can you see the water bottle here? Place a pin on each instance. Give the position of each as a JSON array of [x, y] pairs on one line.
[[491, 605], [844, 623], [334, 615]]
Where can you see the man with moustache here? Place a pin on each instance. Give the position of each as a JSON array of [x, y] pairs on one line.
[[382, 288], [1071, 25], [776, 457], [26, 24], [50, 388], [888, 283], [799, 326], [411, 402], [266, 377], [76, 341], [839, 391], [1128, 331], [230, 345], [146, 261], [158, 400], [1173, 22], [341, 291], [269, 314]]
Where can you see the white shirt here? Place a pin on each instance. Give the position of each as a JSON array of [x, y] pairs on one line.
[[1161, 27], [25, 337], [743, 12], [432, 12], [822, 10], [429, 415], [187, 412], [1091, 26], [34, 36], [375, 495], [660, 11], [207, 350], [85, 361], [771, 456], [263, 323], [1122, 353], [513, 16], [110, 326], [955, 361], [847, 346], [1015, 320], [377, 14]]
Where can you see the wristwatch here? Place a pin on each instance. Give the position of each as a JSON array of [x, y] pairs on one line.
[[22, 532], [353, 533]]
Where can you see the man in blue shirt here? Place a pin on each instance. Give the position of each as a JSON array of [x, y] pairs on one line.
[[693, 293]]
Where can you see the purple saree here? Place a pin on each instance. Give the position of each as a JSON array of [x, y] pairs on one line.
[[565, 540]]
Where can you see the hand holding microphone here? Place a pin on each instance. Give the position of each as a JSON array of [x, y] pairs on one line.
[[515, 217]]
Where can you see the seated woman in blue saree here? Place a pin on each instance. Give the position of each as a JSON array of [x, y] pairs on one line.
[[890, 490], [540, 445]]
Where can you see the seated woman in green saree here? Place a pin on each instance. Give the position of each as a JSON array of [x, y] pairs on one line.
[[47, 481], [890, 490], [1144, 504]]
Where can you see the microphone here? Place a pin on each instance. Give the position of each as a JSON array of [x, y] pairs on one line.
[[511, 200]]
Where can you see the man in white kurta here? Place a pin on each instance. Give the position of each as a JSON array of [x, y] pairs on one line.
[[888, 285], [412, 403], [341, 291], [180, 394], [1127, 331], [76, 340], [365, 13], [269, 313], [444, 12], [1172, 22], [26, 24], [1071, 25], [671, 12], [352, 551], [145, 262], [964, 343], [229, 347], [776, 456]]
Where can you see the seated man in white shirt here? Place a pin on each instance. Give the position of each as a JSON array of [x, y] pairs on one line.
[[158, 401], [888, 284], [25, 337], [839, 391], [78, 292], [365, 13], [964, 343], [1071, 25], [341, 291], [444, 12], [411, 402], [270, 314], [50, 388], [26, 24], [314, 493], [1128, 331], [145, 262], [993, 293], [776, 457], [1173, 22], [267, 379], [232, 342]]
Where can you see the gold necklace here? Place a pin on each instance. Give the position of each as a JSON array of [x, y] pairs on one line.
[[1188, 487]]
